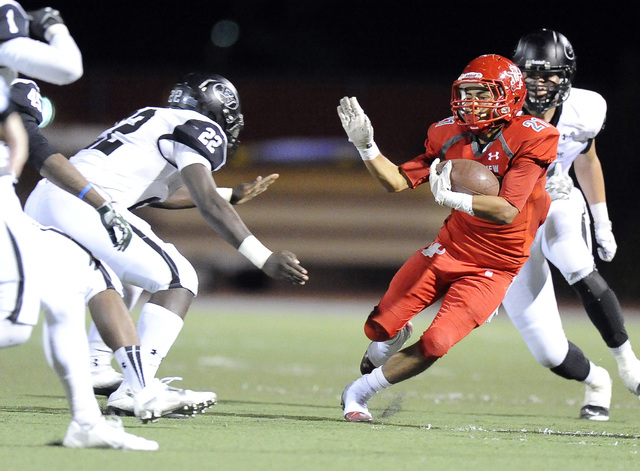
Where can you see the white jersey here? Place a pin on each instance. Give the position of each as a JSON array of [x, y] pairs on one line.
[[582, 116], [138, 161], [59, 62], [564, 239]]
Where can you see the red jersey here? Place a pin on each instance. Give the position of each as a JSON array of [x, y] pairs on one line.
[[519, 156]]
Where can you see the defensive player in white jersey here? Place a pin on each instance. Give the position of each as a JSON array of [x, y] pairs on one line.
[[43, 266], [163, 156], [548, 63]]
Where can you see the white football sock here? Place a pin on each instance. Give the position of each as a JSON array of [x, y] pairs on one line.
[[624, 354], [158, 329], [130, 362], [376, 380]]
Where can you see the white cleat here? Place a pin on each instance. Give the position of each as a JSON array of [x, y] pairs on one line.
[[354, 404], [597, 397], [630, 375], [106, 381], [159, 400], [378, 353], [107, 433]]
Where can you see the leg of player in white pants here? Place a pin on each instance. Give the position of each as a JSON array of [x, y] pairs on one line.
[[40, 261], [148, 262], [567, 244], [532, 307]]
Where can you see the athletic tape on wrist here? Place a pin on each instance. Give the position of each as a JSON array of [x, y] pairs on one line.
[[599, 212], [370, 152], [225, 193], [255, 252]]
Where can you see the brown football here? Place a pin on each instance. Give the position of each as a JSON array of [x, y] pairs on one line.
[[471, 177]]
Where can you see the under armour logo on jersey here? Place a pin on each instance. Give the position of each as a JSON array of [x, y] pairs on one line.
[[433, 249], [123, 365], [495, 155], [154, 351]]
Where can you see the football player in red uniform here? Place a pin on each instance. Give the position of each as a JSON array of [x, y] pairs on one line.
[[484, 241]]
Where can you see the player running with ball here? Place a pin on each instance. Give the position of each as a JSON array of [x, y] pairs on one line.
[[482, 244]]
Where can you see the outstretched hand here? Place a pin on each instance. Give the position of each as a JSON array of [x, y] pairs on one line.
[[247, 191], [285, 266]]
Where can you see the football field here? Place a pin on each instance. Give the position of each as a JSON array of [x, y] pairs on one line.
[[279, 366]]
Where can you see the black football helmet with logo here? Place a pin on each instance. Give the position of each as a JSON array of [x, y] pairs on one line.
[[540, 55], [213, 96]]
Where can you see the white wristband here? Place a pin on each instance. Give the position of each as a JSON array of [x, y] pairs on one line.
[[255, 252], [370, 152], [226, 193], [599, 212], [459, 201]]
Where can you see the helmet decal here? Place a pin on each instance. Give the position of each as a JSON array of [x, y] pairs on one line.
[[226, 96]]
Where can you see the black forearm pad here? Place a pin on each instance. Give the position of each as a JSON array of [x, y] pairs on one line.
[[39, 147]]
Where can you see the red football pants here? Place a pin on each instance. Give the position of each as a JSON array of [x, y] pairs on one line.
[[471, 295]]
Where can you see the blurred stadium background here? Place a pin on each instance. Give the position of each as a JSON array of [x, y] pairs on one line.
[[291, 62]]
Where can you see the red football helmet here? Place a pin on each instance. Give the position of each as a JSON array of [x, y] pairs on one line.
[[499, 93]]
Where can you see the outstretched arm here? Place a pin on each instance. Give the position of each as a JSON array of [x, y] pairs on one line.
[[181, 199], [360, 132], [223, 219]]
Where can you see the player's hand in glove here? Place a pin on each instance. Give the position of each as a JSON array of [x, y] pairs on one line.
[[247, 191], [113, 221], [44, 23], [358, 127], [559, 185], [441, 188], [285, 266], [607, 246]]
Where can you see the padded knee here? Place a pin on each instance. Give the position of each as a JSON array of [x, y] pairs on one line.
[[603, 308], [435, 343]]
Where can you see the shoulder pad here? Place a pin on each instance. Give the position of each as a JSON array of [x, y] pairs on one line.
[[13, 22], [26, 99], [204, 137], [586, 110]]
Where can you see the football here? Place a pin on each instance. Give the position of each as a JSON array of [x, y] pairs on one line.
[[471, 177]]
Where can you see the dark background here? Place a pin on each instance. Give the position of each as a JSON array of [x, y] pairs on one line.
[[293, 60]]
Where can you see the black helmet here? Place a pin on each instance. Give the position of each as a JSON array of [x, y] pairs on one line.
[[541, 54], [213, 96]]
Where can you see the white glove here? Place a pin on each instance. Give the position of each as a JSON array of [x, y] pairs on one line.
[[604, 235], [441, 189], [559, 185], [112, 220], [358, 127], [606, 242]]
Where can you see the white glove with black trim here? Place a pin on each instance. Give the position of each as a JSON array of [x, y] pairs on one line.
[[112, 220], [358, 127], [559, 185], [44, 23]]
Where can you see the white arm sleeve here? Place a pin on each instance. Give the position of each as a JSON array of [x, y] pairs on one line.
[[59, 62]]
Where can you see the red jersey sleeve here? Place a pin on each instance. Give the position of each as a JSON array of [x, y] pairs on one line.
[[417, 170], [536, 149]]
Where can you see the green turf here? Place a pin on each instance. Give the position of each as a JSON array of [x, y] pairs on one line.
[[279, 369]]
